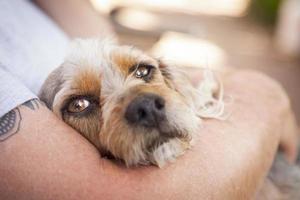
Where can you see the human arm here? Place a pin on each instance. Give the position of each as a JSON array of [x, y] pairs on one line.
[[46, 159], [228, 162], [77, 18]]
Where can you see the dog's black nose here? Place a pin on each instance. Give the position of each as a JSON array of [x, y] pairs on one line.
[[147, 110]]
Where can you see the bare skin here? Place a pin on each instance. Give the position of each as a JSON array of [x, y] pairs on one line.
[[77, 18], [46, 159]]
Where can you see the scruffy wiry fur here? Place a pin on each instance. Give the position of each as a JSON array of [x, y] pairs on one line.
[[101, 69]]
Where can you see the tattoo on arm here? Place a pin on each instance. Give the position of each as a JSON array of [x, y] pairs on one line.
[[10, 123]]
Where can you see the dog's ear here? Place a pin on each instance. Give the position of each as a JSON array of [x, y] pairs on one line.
[[51, 87], [206, 98], [177, 79]]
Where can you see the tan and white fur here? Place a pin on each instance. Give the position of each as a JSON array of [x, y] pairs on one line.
[[103, 72], [98, 89]]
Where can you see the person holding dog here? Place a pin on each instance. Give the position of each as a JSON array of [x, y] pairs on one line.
[[43, 158]]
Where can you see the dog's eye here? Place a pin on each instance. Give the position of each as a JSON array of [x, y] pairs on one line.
[[78, 105], [143, 71]]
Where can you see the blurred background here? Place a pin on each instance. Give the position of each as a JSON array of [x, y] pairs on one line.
[[243, 34]]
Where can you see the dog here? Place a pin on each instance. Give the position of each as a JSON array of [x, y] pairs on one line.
[[128, 104], [136, 108]]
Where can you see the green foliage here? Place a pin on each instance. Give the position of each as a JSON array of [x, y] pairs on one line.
[[265, 11]]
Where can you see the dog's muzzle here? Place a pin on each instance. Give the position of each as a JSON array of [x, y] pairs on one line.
[[146, 110]]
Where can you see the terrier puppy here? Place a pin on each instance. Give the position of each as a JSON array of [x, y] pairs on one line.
[[128, 104], [140, 110]]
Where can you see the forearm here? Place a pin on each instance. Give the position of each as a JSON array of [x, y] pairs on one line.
[[77, 18], [48, 160], [43, 160]]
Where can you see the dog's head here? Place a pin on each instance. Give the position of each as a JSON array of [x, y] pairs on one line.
[[125, 102]]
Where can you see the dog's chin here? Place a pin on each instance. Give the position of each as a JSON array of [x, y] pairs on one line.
[[165, 148], [168, 150], [171, 143], [162, 149]]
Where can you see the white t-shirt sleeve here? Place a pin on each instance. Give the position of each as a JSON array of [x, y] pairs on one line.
[[12, 93], [31, 46]]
